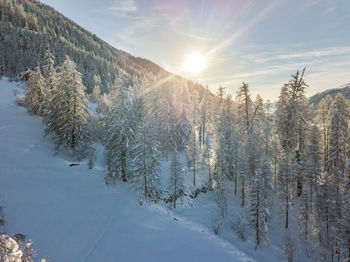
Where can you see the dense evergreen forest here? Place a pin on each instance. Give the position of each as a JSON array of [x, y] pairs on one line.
[[292, 155]]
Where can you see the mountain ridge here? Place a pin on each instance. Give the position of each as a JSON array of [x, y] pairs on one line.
[[28, 28], [343, 89]]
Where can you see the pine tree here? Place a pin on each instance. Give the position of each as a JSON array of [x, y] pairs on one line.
[[96, 91], [193, 150], [323, 114], [245, 107], [182, 131], [292, 116], [68, 114], [258, 208], [176, 183], [243, 170], [206, 157], [204, 116], [35, 92], [313, 161], [345, 223], [146, 163], [286, 178], [168, 123], [304, 220], [120, 134], [49, 70], [225, 140], [338, 132]]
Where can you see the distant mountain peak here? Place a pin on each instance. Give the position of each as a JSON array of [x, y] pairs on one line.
[[343, 89]]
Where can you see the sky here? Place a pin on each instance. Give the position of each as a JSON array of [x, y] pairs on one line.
[[256, 41]]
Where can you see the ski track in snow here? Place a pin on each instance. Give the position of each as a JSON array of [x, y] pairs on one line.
[[66, 211], [98, 239]]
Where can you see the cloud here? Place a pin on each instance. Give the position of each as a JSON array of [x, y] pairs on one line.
[[302, 55], [123, 7], [328, 10]]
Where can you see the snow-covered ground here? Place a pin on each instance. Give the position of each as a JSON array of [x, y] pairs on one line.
[[71, 215]]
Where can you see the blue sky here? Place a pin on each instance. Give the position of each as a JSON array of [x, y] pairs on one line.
[[256, 41]]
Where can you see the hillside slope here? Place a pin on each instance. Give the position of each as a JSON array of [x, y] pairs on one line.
[[344, 90], [28, 28], [71, 215]]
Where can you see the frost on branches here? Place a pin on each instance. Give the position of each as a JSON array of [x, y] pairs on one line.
[[13, 250], [68, 115]]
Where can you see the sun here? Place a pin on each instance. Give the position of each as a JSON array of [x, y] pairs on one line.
[[195, 62]]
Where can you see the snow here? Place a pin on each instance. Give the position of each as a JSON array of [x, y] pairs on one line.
[[71, 215]]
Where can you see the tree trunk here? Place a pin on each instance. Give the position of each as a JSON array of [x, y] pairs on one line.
[[124, 179], [243, 191]]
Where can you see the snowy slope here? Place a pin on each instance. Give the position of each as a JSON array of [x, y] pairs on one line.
[[71, 215]]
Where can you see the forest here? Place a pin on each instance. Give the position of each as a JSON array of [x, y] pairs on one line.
[[289, 153], [273, 157]]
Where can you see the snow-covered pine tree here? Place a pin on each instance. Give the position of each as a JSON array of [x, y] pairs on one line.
[[146, 162], [206, 158], [345, 223], [225, 144], [35, 95], [265, 171], [313, 162], [176, 183], [258, 208], [338, 132], [245, 109], [49, 70], [120, 133], [96, 91], [304, 220], [323, 114], [68, 115], [322, 217], [275, 158], [292, 117], [168, 119], [193, 150], [204, 116], [286, 178], [267, 127], [243, 170], [182, 131]]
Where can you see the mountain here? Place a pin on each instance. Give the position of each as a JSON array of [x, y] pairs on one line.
[[343, 89], [28, 28]]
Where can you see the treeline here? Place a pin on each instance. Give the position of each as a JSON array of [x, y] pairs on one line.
[[137, 124], [289, 154]]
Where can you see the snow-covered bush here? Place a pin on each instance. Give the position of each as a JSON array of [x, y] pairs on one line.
[[91, 158], [21, 100], [15, 250], [238, 226], [217, 224], [288, 247]]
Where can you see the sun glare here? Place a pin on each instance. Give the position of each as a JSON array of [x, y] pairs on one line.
[[195, 63]]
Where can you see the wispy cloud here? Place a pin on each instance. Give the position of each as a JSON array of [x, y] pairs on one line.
[[312, 54], [123, 7], [328, 10]]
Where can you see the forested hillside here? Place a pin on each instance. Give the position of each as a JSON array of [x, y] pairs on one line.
[[344, 90], [28, 28]]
